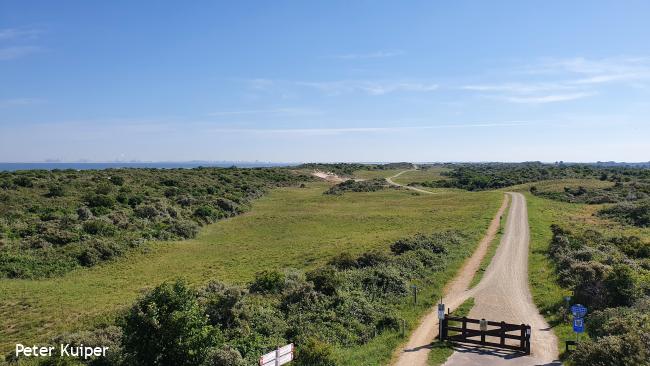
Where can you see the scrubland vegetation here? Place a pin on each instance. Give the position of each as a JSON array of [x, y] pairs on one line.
[[344, 303], [603, 264], [290, 227], [54, 221], [352, 248]]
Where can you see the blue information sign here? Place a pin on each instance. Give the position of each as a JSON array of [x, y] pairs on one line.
[[578, 311], [578, 325]]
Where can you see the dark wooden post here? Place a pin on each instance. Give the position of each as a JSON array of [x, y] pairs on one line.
[[464, 327], [443, 334], [502, 333], [528, 340], [522, 343]]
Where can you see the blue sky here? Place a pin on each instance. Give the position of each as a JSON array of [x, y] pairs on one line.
[[327, 81]]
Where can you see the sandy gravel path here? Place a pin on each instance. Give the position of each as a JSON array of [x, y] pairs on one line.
[[503, 295], [330, 177], [417, 348], [391, 182]]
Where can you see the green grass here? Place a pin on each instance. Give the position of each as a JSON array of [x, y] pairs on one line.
[[440, 351], [290, 227], [492, 249], [421, 175]]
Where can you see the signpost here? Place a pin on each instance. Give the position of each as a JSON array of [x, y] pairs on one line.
[[579, 313], [415, 294], [578, 325], [441, 317], [280, 356]]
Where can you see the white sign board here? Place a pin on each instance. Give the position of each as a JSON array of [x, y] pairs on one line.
[[278, 357], [441, 311]]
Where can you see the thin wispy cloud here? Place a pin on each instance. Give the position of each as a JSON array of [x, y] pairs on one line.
[[19, 33], [570, 79], [338, 87], [369, 55], [272, 111], [541, 99], [382, 129], [14, 52], [518, 88], [369, 87]]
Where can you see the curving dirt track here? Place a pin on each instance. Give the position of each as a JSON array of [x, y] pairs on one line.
[[502, 295], [391, 182]]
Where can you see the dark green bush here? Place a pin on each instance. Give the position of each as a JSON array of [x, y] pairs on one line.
[[351, 185], [99, 227], [168, 328], [100, 200], [267, 282], [23, 181], [629, 213], [55, 191], [326, 279], [315, 353]]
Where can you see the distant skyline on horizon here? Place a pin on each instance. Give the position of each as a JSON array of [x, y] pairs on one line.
[[338, 81]]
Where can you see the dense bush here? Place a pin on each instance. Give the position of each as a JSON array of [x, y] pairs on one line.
[[49, 218], [316, 353], [168, 328], [599, 268], [351, 185], [637, 214], [608, 276], [619, 336]]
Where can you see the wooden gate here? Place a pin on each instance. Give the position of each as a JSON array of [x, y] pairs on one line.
[[494, 334]]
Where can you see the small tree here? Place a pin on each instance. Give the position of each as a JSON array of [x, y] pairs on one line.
[[168, 328]]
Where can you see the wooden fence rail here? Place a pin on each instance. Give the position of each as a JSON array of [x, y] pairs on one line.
[[500, 330]]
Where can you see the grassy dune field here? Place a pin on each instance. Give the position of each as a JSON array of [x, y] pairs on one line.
[[290, 227], [410, 176], [421, 175]]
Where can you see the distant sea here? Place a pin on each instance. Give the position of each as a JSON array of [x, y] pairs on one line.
[[114, 165]]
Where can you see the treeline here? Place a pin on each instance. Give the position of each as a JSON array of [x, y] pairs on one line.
[[54, 221], [475, 177], [345, 303], [351, 185], [611, 276], [348, 169]]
